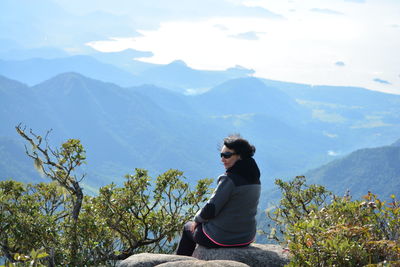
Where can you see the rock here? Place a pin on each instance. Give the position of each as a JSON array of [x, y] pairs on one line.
[[200, 263], [150, 260], [255, 255]]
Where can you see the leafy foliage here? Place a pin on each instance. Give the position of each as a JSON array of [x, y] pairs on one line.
[[57, 222], [340, 233], [33, 260]]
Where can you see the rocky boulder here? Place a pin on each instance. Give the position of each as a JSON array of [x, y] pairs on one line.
[[200, 263], [255, 255], [163, 260], [150, 260]]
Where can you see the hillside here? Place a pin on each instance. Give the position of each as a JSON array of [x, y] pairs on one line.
[[155, 128], [358, 117], [249, 96], [121, 129], [371, 169], [15, 164], [151, 127]]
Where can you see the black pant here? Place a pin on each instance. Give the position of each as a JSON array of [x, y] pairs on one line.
[[189, 239]]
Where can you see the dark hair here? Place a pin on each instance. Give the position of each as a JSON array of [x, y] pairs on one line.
[[241, 146]]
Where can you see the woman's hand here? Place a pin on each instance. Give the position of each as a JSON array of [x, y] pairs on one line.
[[193, 226]]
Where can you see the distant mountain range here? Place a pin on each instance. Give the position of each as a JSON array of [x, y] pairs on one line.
[[150, 120], [119, 68], [149, 127]]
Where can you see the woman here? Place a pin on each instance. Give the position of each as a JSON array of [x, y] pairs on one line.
[[228, 218]]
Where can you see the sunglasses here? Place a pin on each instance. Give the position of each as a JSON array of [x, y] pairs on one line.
[[227, 155]]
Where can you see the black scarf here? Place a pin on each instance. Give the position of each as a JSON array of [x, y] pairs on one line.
[[246, 168]]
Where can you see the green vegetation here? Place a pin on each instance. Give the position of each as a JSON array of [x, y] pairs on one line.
[[56, 224], [340, 233]]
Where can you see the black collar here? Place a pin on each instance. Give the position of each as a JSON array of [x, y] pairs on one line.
[[246, 168]]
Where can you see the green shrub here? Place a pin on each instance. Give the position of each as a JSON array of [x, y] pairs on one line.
[[340, 233], [70, 228]]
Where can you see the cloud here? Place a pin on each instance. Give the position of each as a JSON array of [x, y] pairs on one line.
[[246, 36], [326, 11], [340, 63], [381, 81]]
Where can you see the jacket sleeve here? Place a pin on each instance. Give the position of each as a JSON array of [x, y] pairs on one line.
[[218, 199]]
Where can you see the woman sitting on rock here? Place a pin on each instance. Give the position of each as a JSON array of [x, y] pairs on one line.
[[228, 218]]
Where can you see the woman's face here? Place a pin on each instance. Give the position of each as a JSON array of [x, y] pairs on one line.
[[228, 157]]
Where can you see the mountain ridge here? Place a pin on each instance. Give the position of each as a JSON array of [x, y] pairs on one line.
[[114, 68], [370, 169], [157, 129], [248, 95]]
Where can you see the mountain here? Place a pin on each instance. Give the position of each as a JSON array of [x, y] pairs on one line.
[[15, 164], [147, 127], [371, 169], [272, 119], [247, 106], [397, 143], [156, 128], [120, 128], [36, 70], [119, 68], [125, 60], [250, 96], [181, 78], [168, 99], [19, 104], [356, 117], [340, 95]]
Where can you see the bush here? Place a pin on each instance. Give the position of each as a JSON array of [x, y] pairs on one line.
[[340, 233], [74, 229]]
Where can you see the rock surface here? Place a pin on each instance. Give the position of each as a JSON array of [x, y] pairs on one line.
[[150, 260], [200, 263], [255, 255]]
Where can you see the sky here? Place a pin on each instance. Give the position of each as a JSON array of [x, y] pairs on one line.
[[317, 42]]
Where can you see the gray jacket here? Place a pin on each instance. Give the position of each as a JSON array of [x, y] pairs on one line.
[[229, 215]]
